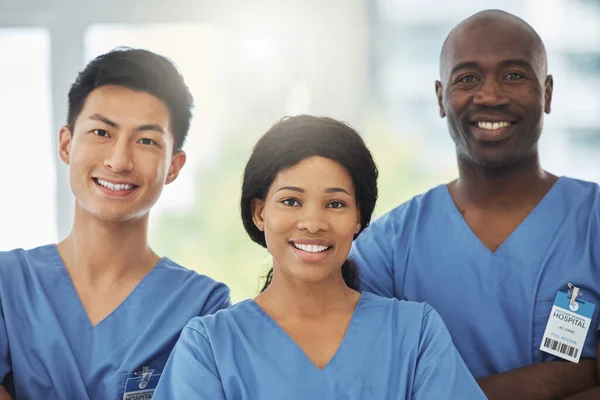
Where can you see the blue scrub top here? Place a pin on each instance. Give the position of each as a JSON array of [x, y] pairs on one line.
[[495, 304], [392, 350], [50, 350]]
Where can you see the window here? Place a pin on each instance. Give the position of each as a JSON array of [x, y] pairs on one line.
[[28, 195]]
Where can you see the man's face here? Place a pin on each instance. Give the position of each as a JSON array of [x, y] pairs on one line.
[[494, 91], [120, 153]]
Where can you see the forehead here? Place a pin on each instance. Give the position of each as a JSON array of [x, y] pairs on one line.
[[314, 172], [125, 106], [491, 42]]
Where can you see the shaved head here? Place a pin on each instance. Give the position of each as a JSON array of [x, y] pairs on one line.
[[494, 89], [488, 25]]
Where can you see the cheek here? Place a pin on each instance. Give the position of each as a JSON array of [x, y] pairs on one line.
[[277, 227], [345, 232], [456, 100], [80, 161], [155, 167]]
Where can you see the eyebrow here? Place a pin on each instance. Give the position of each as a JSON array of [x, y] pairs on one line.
[[518, 62], [141, 128], [503, 64], [336, 190], [300, 190]]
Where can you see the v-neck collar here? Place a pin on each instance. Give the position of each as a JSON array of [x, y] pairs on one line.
[[292, 342], [58, 262], [524, 231]]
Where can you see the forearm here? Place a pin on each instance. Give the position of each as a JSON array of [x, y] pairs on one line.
[[4, 394], [547, 380], [592, 394]]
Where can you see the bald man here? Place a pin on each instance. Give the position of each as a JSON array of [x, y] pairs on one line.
[[508, 252]]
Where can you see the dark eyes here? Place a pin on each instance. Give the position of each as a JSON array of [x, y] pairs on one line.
[[290, 202], [336, 204], [105, 134], [466, 79], [100, 132], [513, 76], [147, 141]]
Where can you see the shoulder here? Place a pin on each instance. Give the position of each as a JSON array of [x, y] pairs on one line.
[[19, 261], [224, 322], [578, 191], [407, 313], [579, 184], [176, 273], [410, 211], [582, 198]]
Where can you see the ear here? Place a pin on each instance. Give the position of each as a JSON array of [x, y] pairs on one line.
[[439, 91], [177, 162], [357, 228], [258, 214], [64, 144], [549, 87]]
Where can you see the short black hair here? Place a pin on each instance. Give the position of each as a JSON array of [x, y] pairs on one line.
[[139, 70], [294, 139]]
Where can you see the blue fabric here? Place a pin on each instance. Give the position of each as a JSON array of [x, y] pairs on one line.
[[391, 350], [50, 350], [495, 304]]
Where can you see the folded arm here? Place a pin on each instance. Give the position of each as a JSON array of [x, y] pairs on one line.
[[546, 380], [4, 394]]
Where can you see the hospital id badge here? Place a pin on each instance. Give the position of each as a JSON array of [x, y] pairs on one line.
[[141, 387], [568, 325]]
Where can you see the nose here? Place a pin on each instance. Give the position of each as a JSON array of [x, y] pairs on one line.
[[119, 158], [491, 94], [313, 220]]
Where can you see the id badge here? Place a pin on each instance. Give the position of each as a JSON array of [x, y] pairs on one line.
[[141, 387], [568, 325]]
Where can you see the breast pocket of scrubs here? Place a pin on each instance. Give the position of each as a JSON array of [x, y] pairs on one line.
[[541, 314]]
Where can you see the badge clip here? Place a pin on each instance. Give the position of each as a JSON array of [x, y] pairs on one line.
[[574, 292], [146, 376]]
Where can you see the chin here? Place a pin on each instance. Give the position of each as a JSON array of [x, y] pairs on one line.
[[116, 215], [311, 274]]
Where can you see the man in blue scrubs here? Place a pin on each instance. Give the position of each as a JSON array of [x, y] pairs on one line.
[[97, 315], [492, 250]]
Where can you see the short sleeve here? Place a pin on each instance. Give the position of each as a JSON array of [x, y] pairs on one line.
[[191, 371], [5, 365], [440, 372], [372, 251], [218, 299]]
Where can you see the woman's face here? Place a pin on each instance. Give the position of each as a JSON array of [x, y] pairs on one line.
[[309, 218]]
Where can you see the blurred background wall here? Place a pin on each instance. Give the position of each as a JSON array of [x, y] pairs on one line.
[[372, 63]]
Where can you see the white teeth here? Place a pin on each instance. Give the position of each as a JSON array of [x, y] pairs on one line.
[[113, 187], [492, 125], [310, 248]]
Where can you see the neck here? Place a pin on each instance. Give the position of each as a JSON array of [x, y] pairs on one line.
[[503, 187], [97, 250], [291, 298]]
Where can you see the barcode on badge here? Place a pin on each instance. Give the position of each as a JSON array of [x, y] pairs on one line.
[[562, 348]]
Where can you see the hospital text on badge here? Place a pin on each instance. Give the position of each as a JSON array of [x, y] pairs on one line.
[[145, 395]]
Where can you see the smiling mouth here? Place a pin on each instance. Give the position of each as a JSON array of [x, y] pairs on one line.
[[492, 126], [119, 187], [311, 248]]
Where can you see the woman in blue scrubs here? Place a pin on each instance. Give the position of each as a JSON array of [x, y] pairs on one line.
[[97, 315], [309, 189]]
